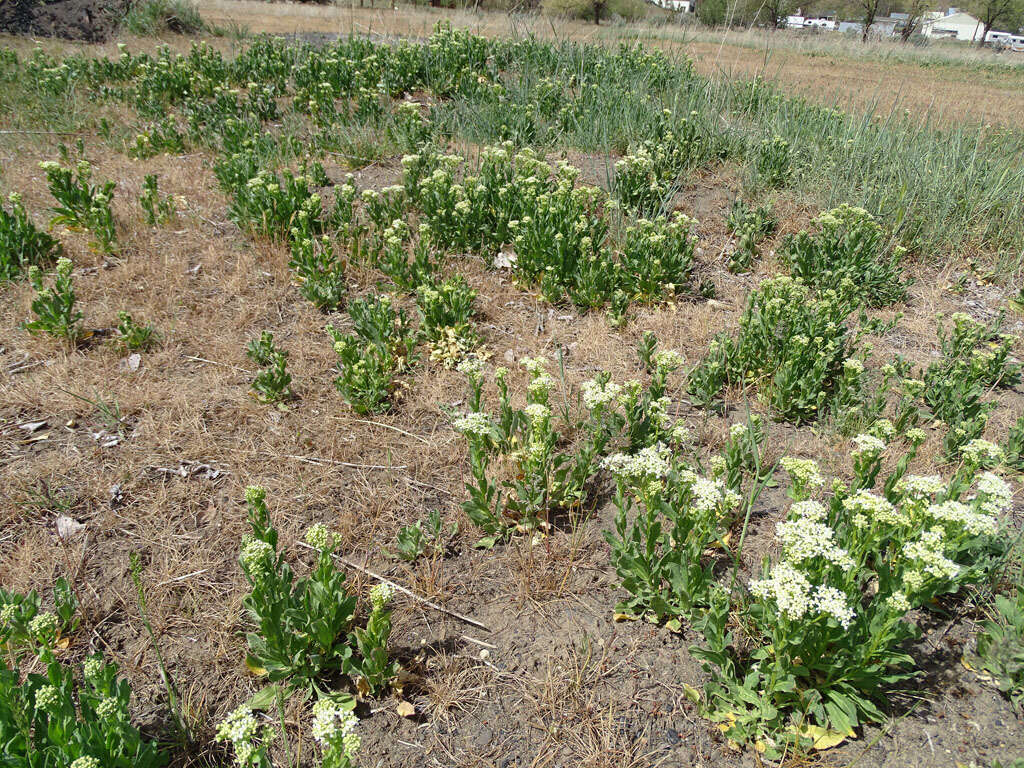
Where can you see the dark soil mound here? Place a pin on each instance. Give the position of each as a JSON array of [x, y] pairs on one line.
[[89, 20]]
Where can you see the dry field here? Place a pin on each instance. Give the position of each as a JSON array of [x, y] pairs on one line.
[[150, 454]]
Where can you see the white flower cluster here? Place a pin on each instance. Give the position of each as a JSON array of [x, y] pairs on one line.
[[650, 462], [240, 729], [596, 395], [975, 523], [537, 414], [47, 698], [808, 510], [680, 434], [802, 471], [982, 452], [318, 536], [804, 539], [667, 360], [867, 445], [334, 727], [255, 558], [865, 506], [473, 367], [380, 595], [709, 495], [898, 602], [921, 485], [928, 553], [85, 761], [476, 423], [44, 625], [993, 494], [796, 597]]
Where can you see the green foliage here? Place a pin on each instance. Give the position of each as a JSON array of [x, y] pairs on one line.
[[774, 163], [791, 343], [379, 349], [822, 649], [82, 205], [21, 244], [49, 713], [307, 629], [134, 335], [157, 17], [425, 537], [975, 359], [1013, 448], [849, 245], [1000, 646], [750, 226], [157, 210], [54, 307], [660, 555], [319, 271], [273, 383], [162, 137], [446, 310], [548, 477]]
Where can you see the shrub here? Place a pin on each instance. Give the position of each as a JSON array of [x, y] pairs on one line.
[[134, 335], [156, 17], [446, 310], [157, 210], [750, 226], [999, 649], [847, 246], [795, 375], [307, 628], [660, 555], [319, 271], [49, 715], [774, 162]]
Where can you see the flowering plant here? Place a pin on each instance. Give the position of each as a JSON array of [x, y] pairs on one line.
[[826, 619], [306, 628], [54, 307], [49, 715], [81, 205], [21, 244]]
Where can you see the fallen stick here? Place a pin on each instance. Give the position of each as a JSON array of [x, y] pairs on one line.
[[318, 460], [405, 591]]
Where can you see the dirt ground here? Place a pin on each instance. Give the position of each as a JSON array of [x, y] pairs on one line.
[[89, 20], [153, 460], [952, 94]]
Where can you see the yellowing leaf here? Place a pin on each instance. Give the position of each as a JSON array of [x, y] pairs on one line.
[[406, 709], [823, 737], [255, 668], [623, 617], [362, 687], [691, 693]]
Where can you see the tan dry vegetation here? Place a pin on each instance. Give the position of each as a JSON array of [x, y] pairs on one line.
[[561, 683], [962, 89]]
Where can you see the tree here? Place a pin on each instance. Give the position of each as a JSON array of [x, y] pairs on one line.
[[915, 12], [992, 12], [869, 10], [773, 12]]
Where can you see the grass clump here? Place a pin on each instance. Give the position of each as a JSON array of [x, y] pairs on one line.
[[159, 17]]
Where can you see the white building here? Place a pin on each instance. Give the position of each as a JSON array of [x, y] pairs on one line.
[[680, 6], [954, 26]]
